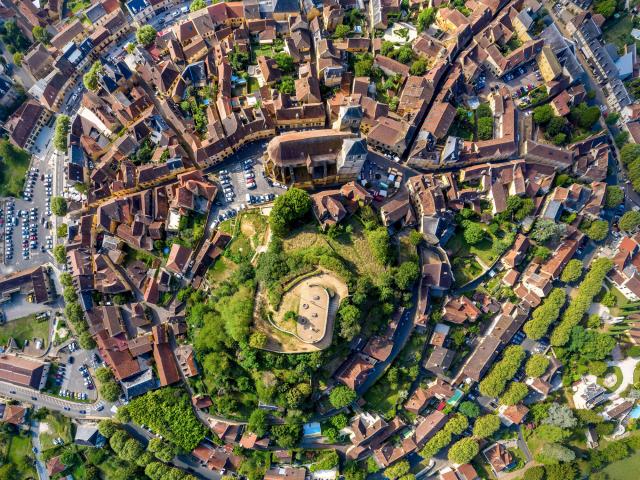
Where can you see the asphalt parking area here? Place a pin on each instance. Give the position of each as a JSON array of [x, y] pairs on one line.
[[73, 379]]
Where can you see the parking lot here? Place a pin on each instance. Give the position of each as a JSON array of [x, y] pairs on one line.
[[26, 223], [75, 378], [243, 183]]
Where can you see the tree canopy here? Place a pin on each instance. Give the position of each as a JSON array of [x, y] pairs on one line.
[[341, 396], [288, 209], [572, 271], [146, 35], [463, 451], [629, 221]]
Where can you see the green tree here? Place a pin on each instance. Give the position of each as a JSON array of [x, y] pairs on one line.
[[514, 394], [380, 244], [545, 229], [486, 426], [59, 206], [560, 416], [62, 230], [543, 114], [41, 35], [197, 5], [146, 35], [598, 230], [90, 79], [469, 409], [406, 275], [629, 153], [418, 67], [163, 450], [425, 18], [60, 254], [289, 208], [341, 396], [629, 221], [287, 435], [107, 428], [17, 58], [534, 473], [110, 391], [536, 365], [397, 470], [284, 62], [555, 452], [342, 31], [606, 8], [584, 115], [614, 196], [363, 67], [463, 451], [572, 271], [473, 233], [258, 422], [485, 128]]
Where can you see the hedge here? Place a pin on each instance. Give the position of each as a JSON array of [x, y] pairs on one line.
[[589, 288]]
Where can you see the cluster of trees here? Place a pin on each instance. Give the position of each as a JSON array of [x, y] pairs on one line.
[[168, 411], [572, 271], [606, 8], [630, 156], [133, 458], [473, 232], [403, 54], [73, 311], [495, 382], [589, 288], [556, 127], [13, 38], [289, 209], [545, 314], [61, 132], [455, 426], [109, 388], [518, 208], [380, 244], [326, 460]]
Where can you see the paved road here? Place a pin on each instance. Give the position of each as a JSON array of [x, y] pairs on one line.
[[39, 399], [35, 440]]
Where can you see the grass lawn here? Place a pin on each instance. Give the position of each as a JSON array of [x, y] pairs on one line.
[[12, 172], [77, 5], [59, 426], [618, 31], [252, 85], [18, 453], [257, 50], [25, 328], [626, 469], [618, 374]]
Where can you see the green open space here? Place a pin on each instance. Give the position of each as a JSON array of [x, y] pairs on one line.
[[353, 248], [618, 31], [58, 426], [77, 5], [13, 166], [626, 469], [19, 454], [25, 328]]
